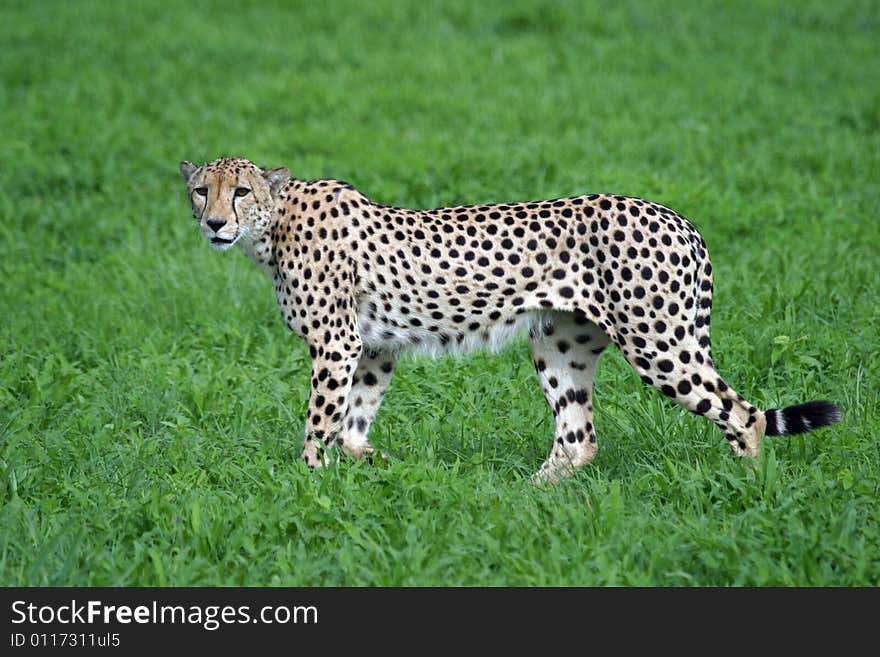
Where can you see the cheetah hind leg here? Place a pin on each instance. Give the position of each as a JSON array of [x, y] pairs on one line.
[[690, 378], [565, 354]]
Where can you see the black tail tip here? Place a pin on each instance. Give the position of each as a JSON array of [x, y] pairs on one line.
[[801, 418]]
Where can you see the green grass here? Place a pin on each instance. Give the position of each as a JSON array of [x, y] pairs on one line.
[[151, 400]]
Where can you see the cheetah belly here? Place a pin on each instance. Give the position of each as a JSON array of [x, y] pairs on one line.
[[397, 334]]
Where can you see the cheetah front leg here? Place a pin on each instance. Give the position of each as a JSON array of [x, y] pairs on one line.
[[333, 368], [565, 356], [371, 380]]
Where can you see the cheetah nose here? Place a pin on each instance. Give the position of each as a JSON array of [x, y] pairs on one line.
[[216, 224]]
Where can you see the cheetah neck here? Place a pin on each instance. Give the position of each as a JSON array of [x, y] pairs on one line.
[[257, 243]]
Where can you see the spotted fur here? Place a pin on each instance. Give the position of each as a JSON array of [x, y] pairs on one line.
[[362, 282]]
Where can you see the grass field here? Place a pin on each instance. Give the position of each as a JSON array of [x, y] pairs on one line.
[[152, 401]]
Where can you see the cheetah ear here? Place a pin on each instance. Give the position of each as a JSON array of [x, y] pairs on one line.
[[187, 169], [276, 177]]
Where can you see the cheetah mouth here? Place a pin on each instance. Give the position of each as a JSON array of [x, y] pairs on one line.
[[221, 243]]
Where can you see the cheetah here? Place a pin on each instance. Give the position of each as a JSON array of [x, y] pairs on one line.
[[362, 282]]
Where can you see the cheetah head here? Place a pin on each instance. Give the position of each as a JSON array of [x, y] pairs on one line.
[[232, 198]]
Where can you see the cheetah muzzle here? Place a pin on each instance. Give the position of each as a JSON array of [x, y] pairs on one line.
[[362, 282]]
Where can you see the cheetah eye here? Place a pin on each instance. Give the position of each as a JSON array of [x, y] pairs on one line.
[[201, 191], [242, 191]]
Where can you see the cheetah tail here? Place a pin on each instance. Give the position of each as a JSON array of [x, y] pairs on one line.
[[801, 418]]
